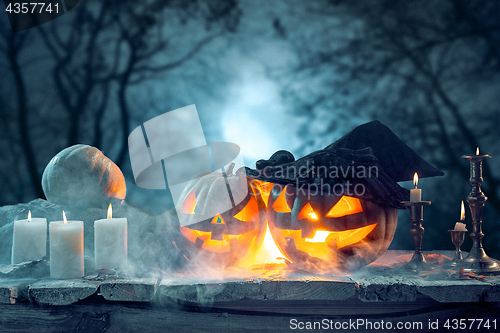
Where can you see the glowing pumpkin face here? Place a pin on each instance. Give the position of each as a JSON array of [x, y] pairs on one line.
[[210, 231], [328, 231]]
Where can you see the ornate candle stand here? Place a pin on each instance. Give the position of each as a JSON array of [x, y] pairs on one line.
[[477, 261], [417, 262]]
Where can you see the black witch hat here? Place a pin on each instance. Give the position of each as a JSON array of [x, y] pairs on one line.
[[370, 155]]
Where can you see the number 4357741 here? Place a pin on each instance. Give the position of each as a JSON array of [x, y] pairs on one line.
[[31, 7], [470, 324]]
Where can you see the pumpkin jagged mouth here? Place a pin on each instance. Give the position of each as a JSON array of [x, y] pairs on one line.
[[214, 245], [341, 238]]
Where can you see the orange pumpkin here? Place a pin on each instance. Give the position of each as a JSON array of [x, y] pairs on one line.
[[329, 231], [216, 225], [321, 228]]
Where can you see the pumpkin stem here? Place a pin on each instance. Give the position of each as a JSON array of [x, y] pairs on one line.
[[230, 169]]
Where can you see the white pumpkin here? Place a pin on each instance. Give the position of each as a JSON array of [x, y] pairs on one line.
[[82, 175]]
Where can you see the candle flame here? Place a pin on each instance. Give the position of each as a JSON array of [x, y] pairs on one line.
[[477, 151], [462, 212], [415, 179], [64, 217], [110, 211], [29, 215]]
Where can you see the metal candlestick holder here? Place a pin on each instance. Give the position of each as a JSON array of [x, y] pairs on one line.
[[417, 262], [457, 238], [477, 261]]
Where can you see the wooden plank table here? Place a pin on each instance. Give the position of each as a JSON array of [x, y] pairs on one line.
[[274, 302]]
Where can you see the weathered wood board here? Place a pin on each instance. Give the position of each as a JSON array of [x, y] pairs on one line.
[[61, 292], [380, 292], [93, 315], [138, 290]]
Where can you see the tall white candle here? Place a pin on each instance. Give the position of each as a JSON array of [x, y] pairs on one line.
[[66, 249], [110, 242], [416, 193], [29, 240]]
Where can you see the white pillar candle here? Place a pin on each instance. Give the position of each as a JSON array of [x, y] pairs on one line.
[[29, 241], [66, 249], [110, 242], [416, 193]]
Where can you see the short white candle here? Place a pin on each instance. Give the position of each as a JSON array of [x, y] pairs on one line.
[[110, 242], [416, 193], [459, 226], [29, 241], [66, 249]]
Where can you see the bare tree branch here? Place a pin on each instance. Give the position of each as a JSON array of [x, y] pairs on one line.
[[15, 45]]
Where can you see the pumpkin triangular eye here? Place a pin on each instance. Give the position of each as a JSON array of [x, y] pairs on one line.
[[218, 220], [345, 206], [280, 205], [249, 213], [307, 213], [190, 206], [265, 190]]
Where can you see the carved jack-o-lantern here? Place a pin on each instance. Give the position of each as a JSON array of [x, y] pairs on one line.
[[209, 231], [328, 231]]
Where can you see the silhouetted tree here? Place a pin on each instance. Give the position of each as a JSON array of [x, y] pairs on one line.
[[88, 62], [427, 69]]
